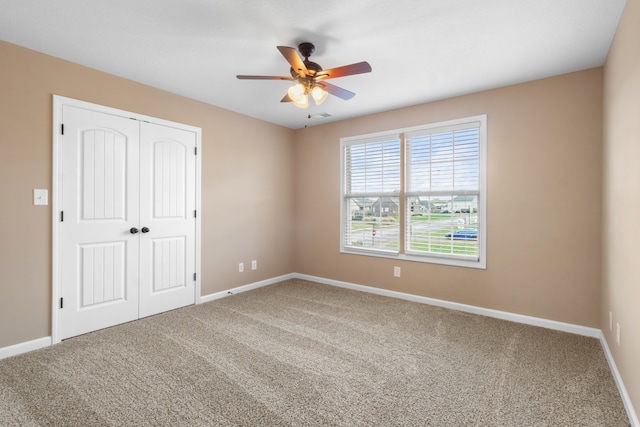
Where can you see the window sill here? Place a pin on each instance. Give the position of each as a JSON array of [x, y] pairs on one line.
[[431, 259]]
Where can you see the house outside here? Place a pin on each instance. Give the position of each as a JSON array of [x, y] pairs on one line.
[[360, 208], [389, 206], [465, 204], [419, 206], [385, 206]]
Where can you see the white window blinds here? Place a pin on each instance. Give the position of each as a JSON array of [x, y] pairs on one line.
[[372, 184], [443, 161], [443, 191], [417, 193]]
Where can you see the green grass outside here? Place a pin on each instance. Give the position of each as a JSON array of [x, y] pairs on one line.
[[439, 243]]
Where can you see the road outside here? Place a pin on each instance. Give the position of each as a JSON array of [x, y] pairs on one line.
[[426, 233]]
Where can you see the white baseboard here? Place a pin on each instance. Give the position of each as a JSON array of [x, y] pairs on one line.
[[25, 347], [518, 318], [626, 400], [244, 288]]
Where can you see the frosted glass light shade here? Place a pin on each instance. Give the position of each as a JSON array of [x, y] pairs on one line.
[[296, 92], [319, 95], [301, 102]]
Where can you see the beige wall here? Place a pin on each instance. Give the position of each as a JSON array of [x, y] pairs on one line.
[[247, 183], [272, 194], [544, 202], [621, 260]]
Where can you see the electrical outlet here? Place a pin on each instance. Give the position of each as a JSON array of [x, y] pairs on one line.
[[610, 321], [618, 333], [241, 267], [396, 271], [254, 264]]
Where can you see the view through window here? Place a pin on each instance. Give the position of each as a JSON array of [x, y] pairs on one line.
[[417, 193]]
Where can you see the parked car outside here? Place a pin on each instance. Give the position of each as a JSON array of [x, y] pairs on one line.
[[463, 234]]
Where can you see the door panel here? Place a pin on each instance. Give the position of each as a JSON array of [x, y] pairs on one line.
[[103, 174], [167, 209], [168, 259], [169, 179], [99, 262], [102, 266]]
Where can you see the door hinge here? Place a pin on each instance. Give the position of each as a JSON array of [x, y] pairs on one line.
[[196, 150], [194, 277], [195, 214], [61, 302], [61, 216], [62, 128]]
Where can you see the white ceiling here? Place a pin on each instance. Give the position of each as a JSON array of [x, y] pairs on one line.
[[420, 50]]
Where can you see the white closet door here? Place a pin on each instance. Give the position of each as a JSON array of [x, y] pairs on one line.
[[100, 206], [167, 218]]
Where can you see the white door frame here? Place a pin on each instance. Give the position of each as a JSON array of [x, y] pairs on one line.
[[56, 202]]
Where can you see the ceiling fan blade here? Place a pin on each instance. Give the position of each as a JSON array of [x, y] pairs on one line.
[[241, 77], [337, 91], [286, 98], [292, 57], [346, 70]]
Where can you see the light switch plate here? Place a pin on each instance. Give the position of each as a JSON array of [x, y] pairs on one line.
[[40, 197]]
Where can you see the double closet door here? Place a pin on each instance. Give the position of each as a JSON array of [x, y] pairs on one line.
[[127, 222]]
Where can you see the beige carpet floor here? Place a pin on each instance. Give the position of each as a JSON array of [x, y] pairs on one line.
[[305, 354]]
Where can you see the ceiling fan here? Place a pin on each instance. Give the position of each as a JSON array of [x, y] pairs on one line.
[[310, 78]]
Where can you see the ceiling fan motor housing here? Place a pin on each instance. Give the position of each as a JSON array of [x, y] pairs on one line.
[[306, 49], [312, 67]]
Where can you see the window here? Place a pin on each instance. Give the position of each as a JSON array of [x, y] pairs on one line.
[[417, 193]]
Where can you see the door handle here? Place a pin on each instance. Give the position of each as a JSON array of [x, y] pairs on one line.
[[133, 230], [145, 229]]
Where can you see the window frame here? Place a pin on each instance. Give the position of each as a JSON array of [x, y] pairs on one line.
[[404, 196]]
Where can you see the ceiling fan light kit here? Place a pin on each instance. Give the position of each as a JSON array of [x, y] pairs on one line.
[[310, 78], [299, 94]]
